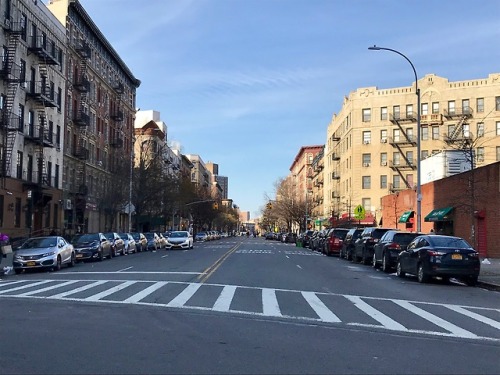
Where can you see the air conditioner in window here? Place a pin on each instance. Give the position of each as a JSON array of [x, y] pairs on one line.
[[366, 164], [383, 163], [366, 142], [99, 163], [383, 140], [68, 204]]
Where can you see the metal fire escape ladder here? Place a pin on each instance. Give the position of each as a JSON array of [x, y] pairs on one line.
[[12, 75]]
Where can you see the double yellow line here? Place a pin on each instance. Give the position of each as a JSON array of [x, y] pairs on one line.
[[210, 270]]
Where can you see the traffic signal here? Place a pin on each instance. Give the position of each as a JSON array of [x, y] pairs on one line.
[[215, 206], [269, 206]]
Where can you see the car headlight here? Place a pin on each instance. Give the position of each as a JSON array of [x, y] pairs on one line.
[[48, 254]]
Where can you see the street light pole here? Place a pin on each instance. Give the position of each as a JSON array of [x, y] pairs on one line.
[[419, 187]]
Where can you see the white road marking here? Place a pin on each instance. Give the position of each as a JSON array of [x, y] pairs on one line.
[[324, 313], [457, 331], [24, 286], [125, 269], [223, 302], [48, 288], [375, 314], [77, 290], [270, 306], [133, 272], [299, 266], [146, 292], [475, 316], [109, 291], [185, 295]]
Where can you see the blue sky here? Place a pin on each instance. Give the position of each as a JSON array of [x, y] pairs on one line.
[[246, 83]]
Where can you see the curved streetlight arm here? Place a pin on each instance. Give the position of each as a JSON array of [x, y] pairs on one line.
[[419, 184]]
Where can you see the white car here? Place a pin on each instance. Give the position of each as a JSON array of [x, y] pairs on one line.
[[179, 240], [43, 252]]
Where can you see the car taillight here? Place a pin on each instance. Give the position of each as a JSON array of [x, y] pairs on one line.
[[434, 253], [394, 246], [473, 255]]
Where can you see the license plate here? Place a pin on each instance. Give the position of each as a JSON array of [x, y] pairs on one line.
[[79, 255], [456, 256], [31, 264]]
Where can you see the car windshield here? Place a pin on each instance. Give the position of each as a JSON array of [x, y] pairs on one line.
[[179, 234], [123, 236], [340, 233], [135, 236], [449, 242], [109, 236], [378, 233], [404, 238], [149, 236], [85, 238], [34, 243]]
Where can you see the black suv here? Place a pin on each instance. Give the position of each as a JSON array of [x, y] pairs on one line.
[[387, 250], [363, 248], [348, 244]]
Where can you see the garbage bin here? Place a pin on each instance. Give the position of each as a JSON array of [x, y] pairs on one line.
[[298, 243]]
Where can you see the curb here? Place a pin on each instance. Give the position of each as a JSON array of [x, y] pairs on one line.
[[489, 286]]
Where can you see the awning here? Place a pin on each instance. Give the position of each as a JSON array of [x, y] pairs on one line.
[[406, 216], [439, 214]]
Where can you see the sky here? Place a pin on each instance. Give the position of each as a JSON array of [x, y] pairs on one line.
[[246, 83]]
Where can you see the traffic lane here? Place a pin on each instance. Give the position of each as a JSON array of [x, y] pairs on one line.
[[272, 264], [175, 265], [137, 339]]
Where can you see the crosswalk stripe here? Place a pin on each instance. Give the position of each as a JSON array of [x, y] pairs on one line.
[[270, 306], [223, 302], [185, 295], [11, 283], [375, 314], [457, 331], [474, 315], [25, 286], [146, 292], [324, 313], [77, 290], [109, 291], [47, 288]]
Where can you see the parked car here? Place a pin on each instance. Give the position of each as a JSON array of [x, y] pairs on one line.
[[306, 237], [91, 246], [128, 243], [334, 241], [201, 237], [141, 242], [349, 241], [154, 241], [363, 247], [387, 250], [43, 252], [117, 243], [163, 241], [180, 240], [313, 240], [428, 256]]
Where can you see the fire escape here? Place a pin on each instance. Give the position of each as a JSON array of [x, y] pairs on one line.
[[9, 121], [81, 121], [459, 137], [335, 211], [402, 143]]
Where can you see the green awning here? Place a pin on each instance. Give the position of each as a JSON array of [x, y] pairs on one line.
[[439, 214], [406, 216]]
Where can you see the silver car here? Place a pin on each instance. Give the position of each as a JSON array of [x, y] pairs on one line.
[[180, 240], [43, 252]]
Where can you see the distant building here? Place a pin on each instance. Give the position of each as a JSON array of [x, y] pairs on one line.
[[445, 164]]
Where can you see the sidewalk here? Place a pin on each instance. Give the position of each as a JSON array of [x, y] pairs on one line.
[[489, 277]]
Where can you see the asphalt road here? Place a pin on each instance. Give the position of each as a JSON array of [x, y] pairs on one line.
[[243, 305]]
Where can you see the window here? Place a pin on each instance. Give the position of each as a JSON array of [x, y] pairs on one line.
[[409, 180], [58, 136], [435, 132], [466, 130], [383, 182], [367, 204], [396, 181], [21, 118], [396, 135], [19, 165], [497, 103], [498, 128], [56, 177], [366, 182], [367, 158], [435, 108], [434, 152], [424, 154], [451, 129], [383, 113], [409, 157], [24, 26], [396, 158], [367, 137], [396, 112], [409, 133], [466, 106], [480, 154], [409, 110], [383, 136], [367, 115], [498, 153], [424, 133], [480, 105], [480, 129], [383, 159], [22, 72], [29, 167], [451, 107], [425, 109]]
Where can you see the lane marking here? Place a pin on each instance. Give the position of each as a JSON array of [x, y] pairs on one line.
[[77, 290], [184, 296], [24, 286], [270, 306], [377, 315], [475, 316], [324, 313], [209, 271], [125, 269], [133, 272], [105, 293], [299, 266], [48, 288], [225, 298], [146, 292]]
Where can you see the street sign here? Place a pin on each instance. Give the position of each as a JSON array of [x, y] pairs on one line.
[[359, 212]]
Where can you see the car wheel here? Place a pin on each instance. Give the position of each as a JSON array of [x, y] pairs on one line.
[[364, 258], [58, 265], [72, 261], [471, 281], [18, 270], [100, 255], [385, 264], [399, 270], [422, 276], [348, 254], [374, 262]]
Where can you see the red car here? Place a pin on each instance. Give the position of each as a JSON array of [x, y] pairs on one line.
[[334, 241]]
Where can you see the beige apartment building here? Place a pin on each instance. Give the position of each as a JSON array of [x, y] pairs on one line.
[[371, 147]]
